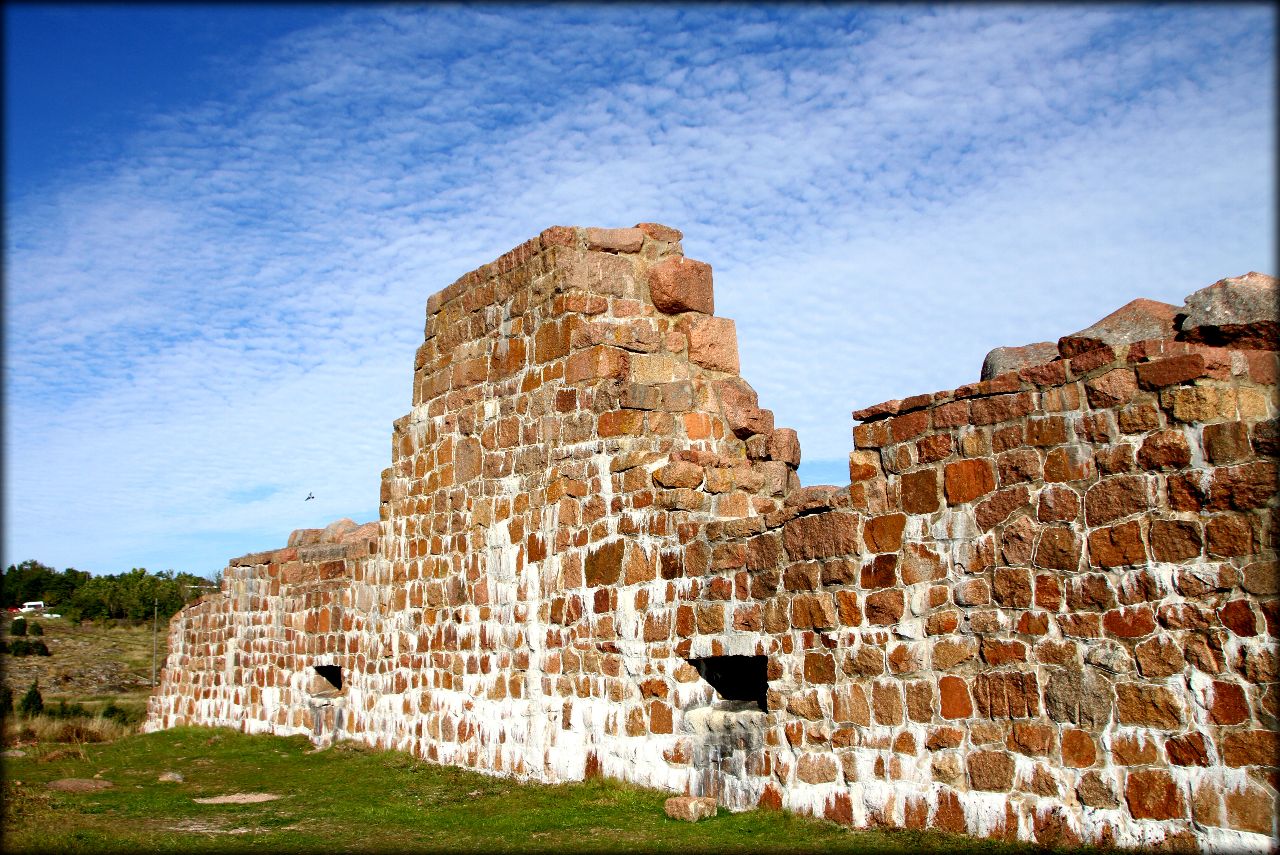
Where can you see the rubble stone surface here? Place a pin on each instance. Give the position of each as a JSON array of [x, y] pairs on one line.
[[1002, 360], [1137, 320], [1242, 311]]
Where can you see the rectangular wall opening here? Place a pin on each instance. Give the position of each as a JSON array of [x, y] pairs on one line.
[[331, 674], [736, 678]]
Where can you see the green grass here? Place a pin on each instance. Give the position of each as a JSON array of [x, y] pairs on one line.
[[352, 799]]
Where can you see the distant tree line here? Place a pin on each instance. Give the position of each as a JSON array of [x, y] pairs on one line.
[[78, 595]]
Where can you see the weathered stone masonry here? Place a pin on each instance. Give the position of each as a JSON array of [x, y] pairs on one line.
[[1045, 607]]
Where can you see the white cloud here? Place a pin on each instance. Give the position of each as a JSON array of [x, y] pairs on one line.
[[207, 328]]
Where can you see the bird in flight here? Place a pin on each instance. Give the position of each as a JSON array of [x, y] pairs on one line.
[[309, 497]]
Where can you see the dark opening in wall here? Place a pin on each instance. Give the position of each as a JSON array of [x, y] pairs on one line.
[[332, 675], [736, 678]]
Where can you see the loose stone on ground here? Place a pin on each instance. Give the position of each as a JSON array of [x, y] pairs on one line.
[[690, 808]]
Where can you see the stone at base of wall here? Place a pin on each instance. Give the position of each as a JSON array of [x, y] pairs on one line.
[[690, 808]]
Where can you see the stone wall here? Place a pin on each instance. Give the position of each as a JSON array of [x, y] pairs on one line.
[[1045, 606], [245, 657]]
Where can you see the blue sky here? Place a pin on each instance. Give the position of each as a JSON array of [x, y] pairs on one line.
[[222, 223]]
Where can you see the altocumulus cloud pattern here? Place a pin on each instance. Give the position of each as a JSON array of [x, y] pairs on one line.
[[212, 320]]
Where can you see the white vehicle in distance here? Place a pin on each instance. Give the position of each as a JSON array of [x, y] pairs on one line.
[[32, 606]]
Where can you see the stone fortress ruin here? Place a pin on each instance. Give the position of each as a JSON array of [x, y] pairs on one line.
[[1044, 608]]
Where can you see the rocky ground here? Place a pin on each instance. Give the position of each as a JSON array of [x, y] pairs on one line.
[[87, 661]]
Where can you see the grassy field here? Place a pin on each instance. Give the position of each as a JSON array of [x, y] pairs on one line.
[[352, 799]]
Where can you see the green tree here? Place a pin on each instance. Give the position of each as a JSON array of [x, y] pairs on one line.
[[96, 598], [32, 704], [18, 627], [24, 582], [60, 588], [6, 702], [36, 629], [133, 592]]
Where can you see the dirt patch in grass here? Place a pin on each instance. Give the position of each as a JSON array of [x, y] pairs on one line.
[[204, 826], [63, 754], [238, 799], [79, 785]]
